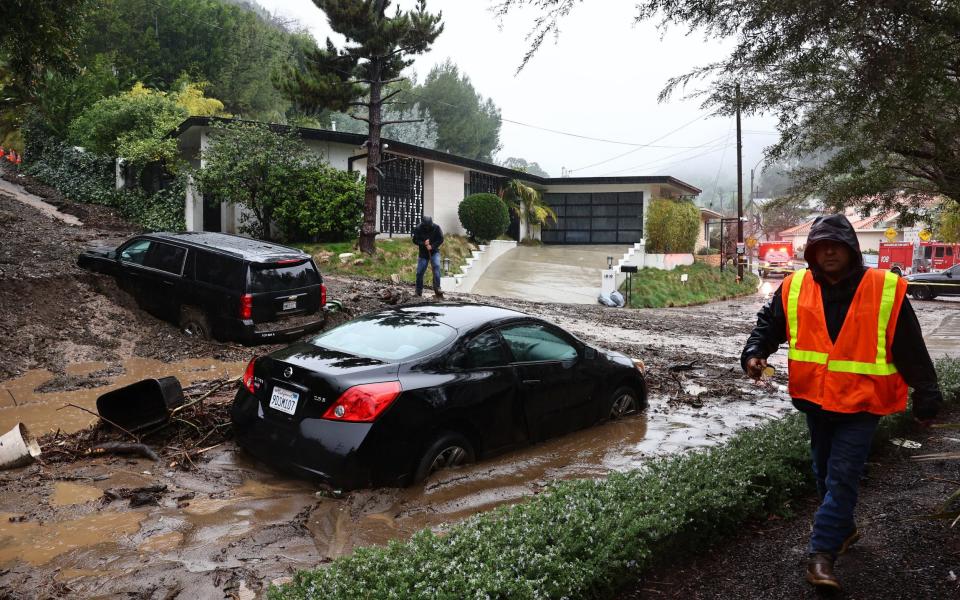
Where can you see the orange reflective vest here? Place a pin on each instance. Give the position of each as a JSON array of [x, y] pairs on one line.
[[855, 373]]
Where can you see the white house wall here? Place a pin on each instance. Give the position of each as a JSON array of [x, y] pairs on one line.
[[442, 193]]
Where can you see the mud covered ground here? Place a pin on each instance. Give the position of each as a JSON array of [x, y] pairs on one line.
[[205, 521]]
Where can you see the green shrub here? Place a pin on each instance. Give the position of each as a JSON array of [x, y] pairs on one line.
[[672, 226], [707, 251], [581, 538], [656, 288], [89, 178], [484, 216], [329, 207], [948, 373]]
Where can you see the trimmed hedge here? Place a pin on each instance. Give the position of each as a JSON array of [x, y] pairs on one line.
[[672, 226], [584, 537], [484, 216]]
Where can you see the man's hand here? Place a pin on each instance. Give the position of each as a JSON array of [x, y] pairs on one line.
[[755, 367], [427, 245]]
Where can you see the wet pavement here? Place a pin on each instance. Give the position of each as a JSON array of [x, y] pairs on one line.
[[555, 273]]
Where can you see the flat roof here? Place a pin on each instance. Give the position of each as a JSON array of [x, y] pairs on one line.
[[358, 139]]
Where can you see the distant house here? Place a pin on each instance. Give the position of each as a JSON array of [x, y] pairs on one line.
[[421, 181], [871, 230]]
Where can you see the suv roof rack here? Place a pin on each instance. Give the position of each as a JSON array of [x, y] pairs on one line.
[[235, 245]]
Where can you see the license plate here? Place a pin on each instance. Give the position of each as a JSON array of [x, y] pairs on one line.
[[284, 400], [290, 305]]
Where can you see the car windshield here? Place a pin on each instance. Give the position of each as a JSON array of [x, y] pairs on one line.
[[394, 336]]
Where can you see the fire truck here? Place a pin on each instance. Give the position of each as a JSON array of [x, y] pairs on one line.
[[775, 257], [905, 258]]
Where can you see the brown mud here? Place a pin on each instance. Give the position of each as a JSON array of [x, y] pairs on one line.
[[206, 521]]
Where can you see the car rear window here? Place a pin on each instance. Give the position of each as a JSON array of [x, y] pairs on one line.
[[218, 269], [281, 277], [386, 337]]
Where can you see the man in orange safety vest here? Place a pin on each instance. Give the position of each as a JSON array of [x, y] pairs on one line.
[[854, 347]]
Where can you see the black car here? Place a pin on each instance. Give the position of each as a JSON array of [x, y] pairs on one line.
[[218, 285], [390, 397], [927, 286]]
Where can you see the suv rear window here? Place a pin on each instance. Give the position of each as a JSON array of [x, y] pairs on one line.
[[282, 277]]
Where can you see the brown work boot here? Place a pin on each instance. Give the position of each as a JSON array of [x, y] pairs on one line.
[[438, 294], [852, 539], [820, 571]]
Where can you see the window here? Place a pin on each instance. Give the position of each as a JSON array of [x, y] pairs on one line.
[[219, 270], [282, 277], [928, 252], [532, 343], [135, 252], [166, 257], [939, 253], [949, 250], [485, 350]]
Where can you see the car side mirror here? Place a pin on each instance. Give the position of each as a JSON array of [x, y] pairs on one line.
[[949, 274]]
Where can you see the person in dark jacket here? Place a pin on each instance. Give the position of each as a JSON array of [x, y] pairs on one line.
[[428, 237], [843, 400]]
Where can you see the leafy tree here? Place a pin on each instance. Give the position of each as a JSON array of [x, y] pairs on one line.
[[527, 204], [874, 85], [467, 125], [672, 226], [134, 125], [782, 214], [258, 168], [39, 34], [948, 227], [378, 49], [520, 164]]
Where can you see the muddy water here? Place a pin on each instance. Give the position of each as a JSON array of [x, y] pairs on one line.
[[44, 412]]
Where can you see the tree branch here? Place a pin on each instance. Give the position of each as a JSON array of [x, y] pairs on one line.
[[401, 121], [364, 119]]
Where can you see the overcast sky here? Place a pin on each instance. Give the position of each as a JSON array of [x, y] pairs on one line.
[[600, 79]]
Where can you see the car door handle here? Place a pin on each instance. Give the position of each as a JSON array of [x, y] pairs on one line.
[[530, 381]]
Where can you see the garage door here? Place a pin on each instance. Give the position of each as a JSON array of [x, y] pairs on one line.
[[595, 218]]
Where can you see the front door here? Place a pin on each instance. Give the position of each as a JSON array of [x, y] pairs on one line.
[[212, 216]]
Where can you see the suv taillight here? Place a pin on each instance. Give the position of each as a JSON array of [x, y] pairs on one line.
[[248, 377], [323, 295], [363, 403], [246, 306]]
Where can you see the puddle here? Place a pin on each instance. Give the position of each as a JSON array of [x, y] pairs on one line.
[[39, 543], [45, 412], [68, 494]]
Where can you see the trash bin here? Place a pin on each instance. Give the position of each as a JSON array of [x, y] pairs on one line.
[[141, 405]]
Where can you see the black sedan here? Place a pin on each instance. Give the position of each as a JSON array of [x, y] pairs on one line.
[[927, 286], [390, 397]]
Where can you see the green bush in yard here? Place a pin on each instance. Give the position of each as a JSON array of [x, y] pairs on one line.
[[484, 216], [328, 207], [672, 226], [581, 538], [948, 373]]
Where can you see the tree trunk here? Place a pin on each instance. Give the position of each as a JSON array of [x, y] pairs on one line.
[[368, 231]]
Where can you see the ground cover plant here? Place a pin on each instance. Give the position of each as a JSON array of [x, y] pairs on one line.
[[656, 288], [585, 538], [392, 256]]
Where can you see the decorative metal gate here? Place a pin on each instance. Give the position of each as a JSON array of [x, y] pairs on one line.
[[597, 218], [401, 194]]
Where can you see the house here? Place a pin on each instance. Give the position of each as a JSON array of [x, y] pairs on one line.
[[708, 218], [421, 181], [871, 230]]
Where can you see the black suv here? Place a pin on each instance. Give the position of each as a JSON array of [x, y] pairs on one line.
[[218, 285]]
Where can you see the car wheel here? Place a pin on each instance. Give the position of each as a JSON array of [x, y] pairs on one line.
[[194, 322], [923, 293], [623, 402], [449, 450]]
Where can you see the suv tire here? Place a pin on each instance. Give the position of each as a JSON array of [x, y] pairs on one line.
[[194, 322], [448, 450]]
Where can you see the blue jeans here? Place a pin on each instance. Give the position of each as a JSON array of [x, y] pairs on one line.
[[840, 448], [422, 268]]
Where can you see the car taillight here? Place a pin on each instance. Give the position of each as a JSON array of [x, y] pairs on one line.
[[246, 306], [363, 403], [323, 295], [248, 377]]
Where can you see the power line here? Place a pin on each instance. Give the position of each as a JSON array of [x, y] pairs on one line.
[[711, 145], [691, 122], [587, 137]]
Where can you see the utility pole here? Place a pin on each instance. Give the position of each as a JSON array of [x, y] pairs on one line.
[[739, 193]]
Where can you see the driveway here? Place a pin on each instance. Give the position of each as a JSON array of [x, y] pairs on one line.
[[569, 274]]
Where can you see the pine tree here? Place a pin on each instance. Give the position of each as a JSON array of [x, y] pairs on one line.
[[378, 48]]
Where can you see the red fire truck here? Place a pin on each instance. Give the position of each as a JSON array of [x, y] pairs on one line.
[[926, 257], [775, 257]]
